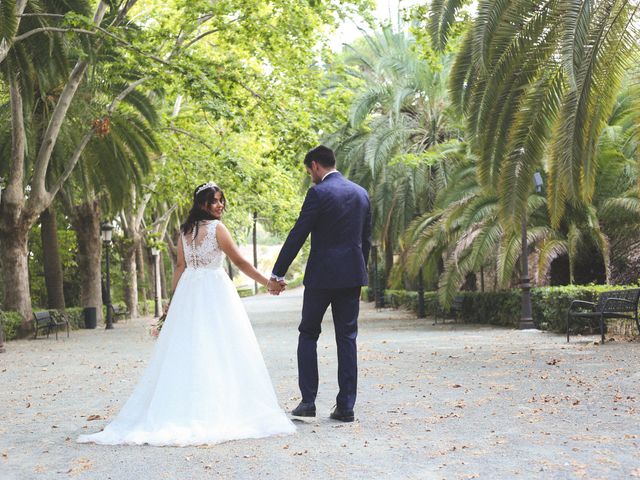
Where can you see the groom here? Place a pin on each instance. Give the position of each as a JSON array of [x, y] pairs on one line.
[[337, 214]]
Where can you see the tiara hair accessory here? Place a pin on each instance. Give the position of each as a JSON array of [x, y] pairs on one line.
[[206, 186]]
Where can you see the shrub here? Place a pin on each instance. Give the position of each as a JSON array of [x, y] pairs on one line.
[[150, 305], [75, 316], [549, 305], [366, 294], [495, 308], [13, 320], [245, 292], [401, 299], [11, 325]]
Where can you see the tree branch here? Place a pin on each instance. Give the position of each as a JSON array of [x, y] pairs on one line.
[[157, 226], [133, 48], [85, 140], [213, 30], [124, 93], [54, 15], [5, 45], [50, 136], [123, 13], [50, 29], [139, 216], [73, 160], [14, 193]]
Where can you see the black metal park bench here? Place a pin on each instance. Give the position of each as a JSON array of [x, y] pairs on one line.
[[613, 304], [455, 309], [49, 321], [120, 312]]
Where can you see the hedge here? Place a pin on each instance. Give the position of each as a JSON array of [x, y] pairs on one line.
[[13, 321], [549, 305], [11, 325]]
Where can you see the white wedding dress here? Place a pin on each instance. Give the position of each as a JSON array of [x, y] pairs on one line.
[[206, 382]]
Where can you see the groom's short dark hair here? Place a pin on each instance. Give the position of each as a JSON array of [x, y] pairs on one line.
[[323, 155]]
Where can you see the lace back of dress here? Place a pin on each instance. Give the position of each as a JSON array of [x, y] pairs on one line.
[[201, 249]]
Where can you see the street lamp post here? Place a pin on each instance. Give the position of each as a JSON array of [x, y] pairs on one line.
[[1, 317], [377, 287], [526, 317], [106, 230], [255, 249], [421, 310], [155, 252], [2, 349]]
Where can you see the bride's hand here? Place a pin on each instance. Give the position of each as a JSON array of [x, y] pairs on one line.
[[274, 287]]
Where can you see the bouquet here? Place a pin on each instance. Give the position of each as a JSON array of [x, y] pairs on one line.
[[156, 327]]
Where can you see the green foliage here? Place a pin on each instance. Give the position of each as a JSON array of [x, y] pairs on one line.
[[142, 306], [549, 304], [538, 79], [401, 299], [75, 315], [248, 77], [11, 323], [398, 116], [67, 250]]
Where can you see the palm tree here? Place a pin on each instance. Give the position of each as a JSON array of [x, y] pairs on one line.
[[399, 111], [114, 163], [537, 82], [463, 234], [33, 73]]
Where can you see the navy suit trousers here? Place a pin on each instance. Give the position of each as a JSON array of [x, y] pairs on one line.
[[345, 305]]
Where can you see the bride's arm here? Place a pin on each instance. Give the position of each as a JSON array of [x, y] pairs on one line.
[[180, 266], [228, 246]]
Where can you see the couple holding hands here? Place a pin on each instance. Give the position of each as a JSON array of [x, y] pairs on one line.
[[206, 381]]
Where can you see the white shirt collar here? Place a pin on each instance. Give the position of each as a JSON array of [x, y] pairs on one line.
[[328, 173]]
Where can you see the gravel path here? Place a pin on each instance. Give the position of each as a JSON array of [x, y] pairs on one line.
[[442, 402]]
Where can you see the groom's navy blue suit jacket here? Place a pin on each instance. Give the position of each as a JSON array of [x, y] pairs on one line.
[[337, 214]]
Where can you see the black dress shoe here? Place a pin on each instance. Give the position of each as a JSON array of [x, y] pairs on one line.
[[305, 409], [342, 415]]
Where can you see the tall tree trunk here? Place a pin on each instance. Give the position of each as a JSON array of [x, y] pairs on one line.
[[388, 260], [14, 227], [19, 212], [163, 278], [141, 263], [130, 280], [13, 260], [51, 259], [255, 248], [172, 248], [86, 223]]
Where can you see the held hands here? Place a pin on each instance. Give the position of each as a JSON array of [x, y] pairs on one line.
[[275, 287]]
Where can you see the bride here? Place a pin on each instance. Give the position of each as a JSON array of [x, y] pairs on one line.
[[206, 381]]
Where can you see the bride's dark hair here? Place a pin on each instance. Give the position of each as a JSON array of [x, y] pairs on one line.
[[202, 198]]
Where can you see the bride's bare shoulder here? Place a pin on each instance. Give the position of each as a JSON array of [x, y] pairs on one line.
[[221, 229]]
